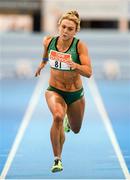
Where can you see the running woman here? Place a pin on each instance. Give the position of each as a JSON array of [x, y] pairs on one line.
[[69, 60]]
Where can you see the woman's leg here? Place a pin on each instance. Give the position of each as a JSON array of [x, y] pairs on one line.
[[75, 113], [58, 109]]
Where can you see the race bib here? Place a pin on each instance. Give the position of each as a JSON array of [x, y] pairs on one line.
[[57, 60]]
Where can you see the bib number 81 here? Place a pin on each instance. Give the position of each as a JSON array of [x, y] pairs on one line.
[[57, 64]]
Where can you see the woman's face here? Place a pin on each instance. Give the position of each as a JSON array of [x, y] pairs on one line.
[[67, 29]]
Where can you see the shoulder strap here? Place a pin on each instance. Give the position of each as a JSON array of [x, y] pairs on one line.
[[52, 43], [75, 44]]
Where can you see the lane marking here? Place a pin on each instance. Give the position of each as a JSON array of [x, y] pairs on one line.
[[103, 113], [26, 119]]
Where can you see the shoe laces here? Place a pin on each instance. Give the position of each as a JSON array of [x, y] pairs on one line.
[[57, 161]]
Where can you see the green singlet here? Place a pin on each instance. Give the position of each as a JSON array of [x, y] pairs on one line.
[[57, 58]]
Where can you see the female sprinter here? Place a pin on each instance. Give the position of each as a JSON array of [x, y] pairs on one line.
[[69, 60]]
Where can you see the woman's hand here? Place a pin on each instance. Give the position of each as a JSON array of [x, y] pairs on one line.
[[40, 67], [71, 64], [38, 72]]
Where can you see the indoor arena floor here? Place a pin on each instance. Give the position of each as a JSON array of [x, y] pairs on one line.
[[100, 151]]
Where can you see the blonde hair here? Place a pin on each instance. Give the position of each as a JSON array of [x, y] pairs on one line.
[[73, 16]]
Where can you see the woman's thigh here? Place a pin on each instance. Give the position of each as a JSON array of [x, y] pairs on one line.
[[75, 112], [55, 103]]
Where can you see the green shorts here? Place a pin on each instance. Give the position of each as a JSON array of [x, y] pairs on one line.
[[69, 97]]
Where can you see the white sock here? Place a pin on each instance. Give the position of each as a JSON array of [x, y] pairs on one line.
[[56, 157]]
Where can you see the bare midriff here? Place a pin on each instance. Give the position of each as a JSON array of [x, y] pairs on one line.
[[65, 80]]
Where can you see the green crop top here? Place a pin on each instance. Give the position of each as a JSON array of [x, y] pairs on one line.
[[57, 58]]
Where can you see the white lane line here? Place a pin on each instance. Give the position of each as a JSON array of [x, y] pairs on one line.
[[26, 119], [102, 111]]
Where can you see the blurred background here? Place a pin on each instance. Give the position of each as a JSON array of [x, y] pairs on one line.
[[105, 28]]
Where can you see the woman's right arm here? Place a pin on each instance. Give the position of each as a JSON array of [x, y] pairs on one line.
[[46, 42]]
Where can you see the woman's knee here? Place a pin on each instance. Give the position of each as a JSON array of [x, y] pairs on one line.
[[76, 127], [58, 117], [75, 130]]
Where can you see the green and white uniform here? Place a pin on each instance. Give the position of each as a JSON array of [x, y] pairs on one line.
[[56, 58]]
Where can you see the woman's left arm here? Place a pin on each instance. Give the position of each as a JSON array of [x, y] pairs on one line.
[[85, 68]]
